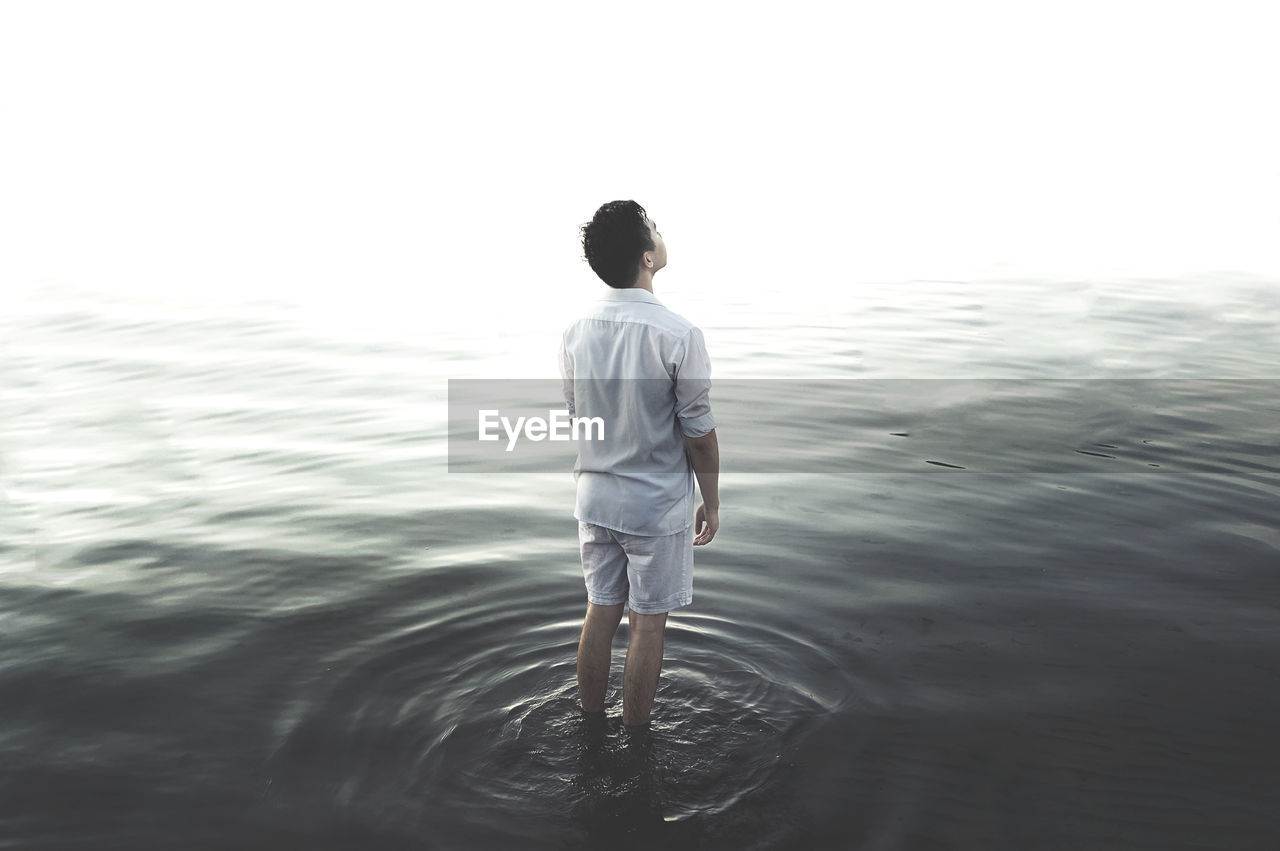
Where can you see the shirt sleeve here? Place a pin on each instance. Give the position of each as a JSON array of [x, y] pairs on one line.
[[566, 375], [693, 386]]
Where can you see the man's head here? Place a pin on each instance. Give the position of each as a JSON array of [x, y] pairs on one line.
[[620, 241]]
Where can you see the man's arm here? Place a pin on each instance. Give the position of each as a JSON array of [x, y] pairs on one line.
[[566, 377], [693, 409], [704, 453]]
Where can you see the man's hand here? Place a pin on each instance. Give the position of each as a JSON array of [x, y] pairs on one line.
[[705, 523]]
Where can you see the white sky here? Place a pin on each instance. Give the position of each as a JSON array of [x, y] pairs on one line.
[[410, 156]]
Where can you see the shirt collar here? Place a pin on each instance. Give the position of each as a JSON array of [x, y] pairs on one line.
[[631, 294]]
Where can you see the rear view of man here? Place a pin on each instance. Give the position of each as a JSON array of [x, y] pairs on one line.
[[644, 371]]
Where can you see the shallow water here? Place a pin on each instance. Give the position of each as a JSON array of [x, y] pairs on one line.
[[245, 605]]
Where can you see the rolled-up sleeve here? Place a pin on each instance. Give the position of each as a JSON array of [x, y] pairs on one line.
[[693, 386], [566, 375]]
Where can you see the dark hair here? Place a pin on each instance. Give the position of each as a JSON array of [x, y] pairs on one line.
[[614, 241]]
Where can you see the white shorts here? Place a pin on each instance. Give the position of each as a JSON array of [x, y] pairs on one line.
[[651, 574]]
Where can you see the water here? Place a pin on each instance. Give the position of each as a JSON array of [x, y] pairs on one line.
[[244, 605]]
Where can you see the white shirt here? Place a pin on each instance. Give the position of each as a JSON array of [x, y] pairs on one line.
[[639, 479]]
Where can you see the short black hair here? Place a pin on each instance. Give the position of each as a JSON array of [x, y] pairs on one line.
[[614, 241]]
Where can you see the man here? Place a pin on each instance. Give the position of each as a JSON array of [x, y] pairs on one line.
[[644, 371]]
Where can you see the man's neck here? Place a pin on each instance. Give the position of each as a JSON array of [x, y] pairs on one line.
[[644, 281]]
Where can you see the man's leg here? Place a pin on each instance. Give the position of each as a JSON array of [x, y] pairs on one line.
[[595, 652], [644, 664]]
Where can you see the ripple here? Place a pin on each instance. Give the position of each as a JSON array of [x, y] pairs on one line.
[[493, 717]]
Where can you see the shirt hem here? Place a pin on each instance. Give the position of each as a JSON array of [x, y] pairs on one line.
[[678, 531]]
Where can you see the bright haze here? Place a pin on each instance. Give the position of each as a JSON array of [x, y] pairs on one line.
[[397, 159]]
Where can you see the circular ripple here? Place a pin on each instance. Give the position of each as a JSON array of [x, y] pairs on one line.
[[483, 737], [719, 724]]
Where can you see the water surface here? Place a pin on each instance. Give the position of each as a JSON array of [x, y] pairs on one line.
[[244, 604]]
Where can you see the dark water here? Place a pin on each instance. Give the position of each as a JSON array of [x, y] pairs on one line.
[[242, 604]]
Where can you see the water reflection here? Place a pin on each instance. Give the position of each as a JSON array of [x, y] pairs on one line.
[[620, 784]]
